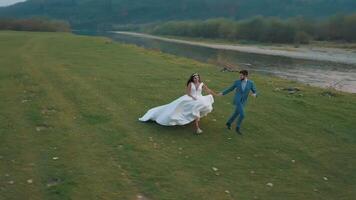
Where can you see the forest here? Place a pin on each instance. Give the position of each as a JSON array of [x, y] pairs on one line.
[[272, 29], [103, 14]]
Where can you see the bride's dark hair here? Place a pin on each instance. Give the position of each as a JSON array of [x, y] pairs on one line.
[[191, 79]]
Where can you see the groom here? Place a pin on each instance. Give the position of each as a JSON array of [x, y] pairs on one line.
[[242, 88]]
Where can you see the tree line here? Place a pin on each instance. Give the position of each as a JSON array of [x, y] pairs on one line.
[[299, 30], [34, 25], [101, 14]]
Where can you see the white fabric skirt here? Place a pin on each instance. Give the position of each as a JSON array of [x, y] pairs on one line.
[[181, 111]]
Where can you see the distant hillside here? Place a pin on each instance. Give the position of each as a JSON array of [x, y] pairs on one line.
[[90, 13]]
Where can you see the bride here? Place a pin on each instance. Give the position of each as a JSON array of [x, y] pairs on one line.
[[185, 109]]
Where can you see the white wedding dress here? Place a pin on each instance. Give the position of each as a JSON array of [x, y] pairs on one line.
[[182, 110]]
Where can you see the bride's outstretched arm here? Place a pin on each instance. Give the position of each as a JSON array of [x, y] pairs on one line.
[[189, 88], [209, 91]]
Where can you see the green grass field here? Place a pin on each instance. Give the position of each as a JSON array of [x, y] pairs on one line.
[[68, 129]]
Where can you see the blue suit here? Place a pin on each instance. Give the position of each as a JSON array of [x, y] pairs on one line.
[[240, 99]]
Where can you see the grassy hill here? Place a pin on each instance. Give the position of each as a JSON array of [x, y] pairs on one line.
[[68, 129], [102, 13]]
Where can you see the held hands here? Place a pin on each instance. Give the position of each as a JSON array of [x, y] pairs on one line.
[[217, 94]]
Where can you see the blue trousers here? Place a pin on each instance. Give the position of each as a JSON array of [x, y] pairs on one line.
[[239, 112]]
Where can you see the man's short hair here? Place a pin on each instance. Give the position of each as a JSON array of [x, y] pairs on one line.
[[244, 72]]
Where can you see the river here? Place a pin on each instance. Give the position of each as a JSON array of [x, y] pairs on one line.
[[316, 72]]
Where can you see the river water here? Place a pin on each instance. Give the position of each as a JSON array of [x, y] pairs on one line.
[[317, 73]]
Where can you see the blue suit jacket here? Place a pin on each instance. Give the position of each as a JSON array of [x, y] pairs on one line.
[[241, 95]]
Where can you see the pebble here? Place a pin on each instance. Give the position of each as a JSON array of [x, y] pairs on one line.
[[54, 182], [41, 128], [270, 184]]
